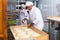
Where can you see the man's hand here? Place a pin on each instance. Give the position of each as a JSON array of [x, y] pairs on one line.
[[24, 20], [30, 24]]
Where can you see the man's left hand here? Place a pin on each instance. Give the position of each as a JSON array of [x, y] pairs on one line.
[[29, 25]]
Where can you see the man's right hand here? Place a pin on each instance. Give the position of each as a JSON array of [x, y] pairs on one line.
[[24, 20]]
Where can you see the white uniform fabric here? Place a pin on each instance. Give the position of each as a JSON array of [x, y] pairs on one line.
[[36, 18], [23, 14]]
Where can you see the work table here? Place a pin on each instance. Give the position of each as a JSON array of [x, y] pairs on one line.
[[52, 20], [43, 35]]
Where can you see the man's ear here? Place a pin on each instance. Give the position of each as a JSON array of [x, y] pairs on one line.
[[26, 7]]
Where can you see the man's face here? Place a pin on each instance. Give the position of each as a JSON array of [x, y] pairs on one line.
[[29, 7]]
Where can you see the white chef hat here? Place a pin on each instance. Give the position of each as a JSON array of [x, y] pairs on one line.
[[23, 5], [28, 3]]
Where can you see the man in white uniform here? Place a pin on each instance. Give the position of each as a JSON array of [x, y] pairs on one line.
[[35, 16]]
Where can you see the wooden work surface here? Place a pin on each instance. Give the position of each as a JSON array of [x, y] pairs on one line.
[[44, 36], [54, 18]]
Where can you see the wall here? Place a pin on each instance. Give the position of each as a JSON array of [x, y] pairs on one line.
[[56, 7], [49, 7]]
